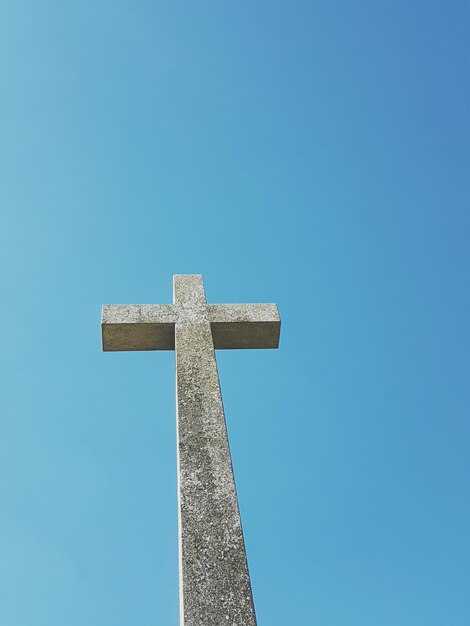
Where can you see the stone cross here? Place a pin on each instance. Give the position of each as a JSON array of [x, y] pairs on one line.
[[215, 587]]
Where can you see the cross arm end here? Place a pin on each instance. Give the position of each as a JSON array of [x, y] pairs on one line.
[[138, 327], [241, 326]]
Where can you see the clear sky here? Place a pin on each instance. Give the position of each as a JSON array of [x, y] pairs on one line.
[[312, 154]]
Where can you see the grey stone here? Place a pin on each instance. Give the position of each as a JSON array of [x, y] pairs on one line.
[[215, 587], [152, 326], [138, 327]]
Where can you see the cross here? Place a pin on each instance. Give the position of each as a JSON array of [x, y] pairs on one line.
[[215, 586]]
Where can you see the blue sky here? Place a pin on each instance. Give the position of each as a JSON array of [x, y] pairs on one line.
[[312, 154]]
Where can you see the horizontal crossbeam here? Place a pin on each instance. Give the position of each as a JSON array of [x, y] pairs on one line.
[[152, 326]]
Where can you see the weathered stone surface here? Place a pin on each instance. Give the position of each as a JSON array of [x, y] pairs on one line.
[[138, 327], [214, 574], [215, 587], [152, 326], [244, 325]]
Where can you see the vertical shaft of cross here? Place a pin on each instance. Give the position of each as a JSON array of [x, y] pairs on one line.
[[215, 587]]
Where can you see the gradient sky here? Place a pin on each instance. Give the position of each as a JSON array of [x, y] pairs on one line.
[[312, 154]]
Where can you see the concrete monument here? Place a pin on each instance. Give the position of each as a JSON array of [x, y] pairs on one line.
[[215, 587]]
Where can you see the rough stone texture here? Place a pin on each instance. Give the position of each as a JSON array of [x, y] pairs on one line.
[[244, 325], [215, 587], [151, 326], [138, 327]]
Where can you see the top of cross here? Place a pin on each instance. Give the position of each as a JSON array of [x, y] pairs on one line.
[[151, 326]]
